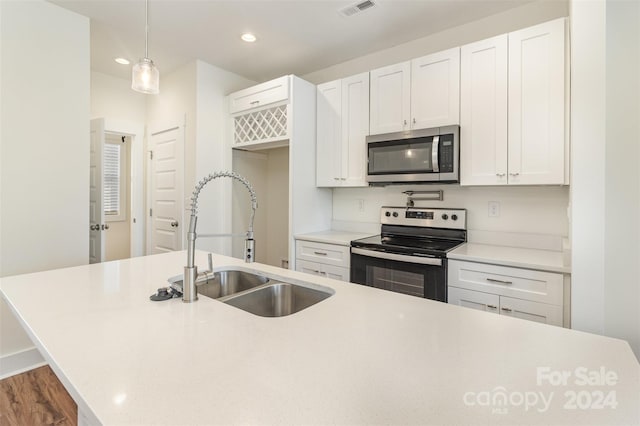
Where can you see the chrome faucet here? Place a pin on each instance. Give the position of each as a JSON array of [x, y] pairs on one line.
[[191, 275]]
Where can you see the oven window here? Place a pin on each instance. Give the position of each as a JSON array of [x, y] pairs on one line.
[[400, 158], [396, 280]]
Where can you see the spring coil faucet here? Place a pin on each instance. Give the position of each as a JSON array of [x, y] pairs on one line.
[[191, 275]]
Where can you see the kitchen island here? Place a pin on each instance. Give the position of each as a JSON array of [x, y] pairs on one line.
[[362, 356]]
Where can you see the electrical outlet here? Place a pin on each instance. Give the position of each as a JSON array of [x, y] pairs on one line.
[[494, 208]]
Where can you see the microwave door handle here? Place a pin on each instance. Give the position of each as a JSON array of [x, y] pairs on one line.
[[434, 154]]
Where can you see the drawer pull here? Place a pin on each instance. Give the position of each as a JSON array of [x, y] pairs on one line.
[[491, 280], [255, 102], [492, 307], [507, 309], [320, 253]]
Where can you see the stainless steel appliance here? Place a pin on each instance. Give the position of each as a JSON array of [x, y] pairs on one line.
[[414, 156], [409, 256]]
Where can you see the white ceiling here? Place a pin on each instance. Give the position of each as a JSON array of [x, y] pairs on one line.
[[294, 37]]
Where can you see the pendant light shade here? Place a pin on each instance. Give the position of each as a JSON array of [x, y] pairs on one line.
[[145, 77]]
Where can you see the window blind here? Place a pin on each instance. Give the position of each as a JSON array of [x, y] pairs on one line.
[[111, 190]]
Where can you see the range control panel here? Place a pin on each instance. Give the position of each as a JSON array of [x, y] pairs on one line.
[[422, 216]]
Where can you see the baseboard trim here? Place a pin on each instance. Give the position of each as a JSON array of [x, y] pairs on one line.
[[19, 362]]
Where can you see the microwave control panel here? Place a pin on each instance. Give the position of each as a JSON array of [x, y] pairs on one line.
[[445, 153]]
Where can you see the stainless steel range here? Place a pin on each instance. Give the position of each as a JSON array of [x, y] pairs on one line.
[[410, 254]]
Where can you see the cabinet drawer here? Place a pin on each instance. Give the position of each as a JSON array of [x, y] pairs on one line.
[[260, 95], [327, 254], [537, 286], [328, 271], [474, 299], [532, 311]]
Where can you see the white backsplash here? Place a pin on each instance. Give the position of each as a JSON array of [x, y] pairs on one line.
[[538, 211]]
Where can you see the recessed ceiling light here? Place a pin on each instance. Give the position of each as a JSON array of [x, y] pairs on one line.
[[122, 61], [248, 37]]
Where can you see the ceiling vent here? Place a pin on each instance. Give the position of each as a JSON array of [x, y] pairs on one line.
[[353, 9]]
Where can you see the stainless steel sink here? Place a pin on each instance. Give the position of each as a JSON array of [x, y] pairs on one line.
[[225, 283], [277, 299]]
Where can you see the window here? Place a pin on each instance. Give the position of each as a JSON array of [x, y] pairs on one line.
[[114, 191]]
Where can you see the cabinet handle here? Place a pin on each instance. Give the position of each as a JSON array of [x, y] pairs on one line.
[[320, 253], [323, 273], [491, 280], [500, 174], [507, 309], [255, 102], [414, 120], [405, 123], [492, 307], [514, 174], [336, 178], [343, 178]]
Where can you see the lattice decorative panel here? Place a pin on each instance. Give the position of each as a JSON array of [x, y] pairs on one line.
[[266, 124]]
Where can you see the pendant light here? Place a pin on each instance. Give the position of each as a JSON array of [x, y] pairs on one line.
[[145, 77]]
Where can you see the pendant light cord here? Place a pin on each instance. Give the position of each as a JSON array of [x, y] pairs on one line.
[[146, 29]]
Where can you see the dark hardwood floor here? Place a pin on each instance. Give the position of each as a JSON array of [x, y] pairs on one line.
[[36, 398]]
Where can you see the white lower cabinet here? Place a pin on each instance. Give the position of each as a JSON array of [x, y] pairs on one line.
[[323, 259], [521, 293], [329, 271]]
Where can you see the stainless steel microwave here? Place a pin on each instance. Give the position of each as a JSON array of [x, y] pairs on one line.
[[414, 156]]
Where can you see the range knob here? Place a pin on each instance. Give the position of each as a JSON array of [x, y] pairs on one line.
[[387, 214], [454, 217], [395, 214], [445, 216]]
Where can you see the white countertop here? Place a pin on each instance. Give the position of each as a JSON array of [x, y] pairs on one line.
[[341, 238], [362, 356], [543, 260]]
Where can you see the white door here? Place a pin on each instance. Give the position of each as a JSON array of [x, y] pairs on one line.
[[96, 210], [355, 129], [166, 192], [329, 136], [536, 104], [390, 103], [483, 112], [473, 299], [435, 90]]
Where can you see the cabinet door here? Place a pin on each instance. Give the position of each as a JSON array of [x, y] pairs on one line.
[[308, 267], [532, 311], [536, 104], [390, 103], [483, 112], [329, 134], [473, 299], [355, 128], [435, 90]]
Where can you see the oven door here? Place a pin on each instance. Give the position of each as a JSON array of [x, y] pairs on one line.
[[408, 274]]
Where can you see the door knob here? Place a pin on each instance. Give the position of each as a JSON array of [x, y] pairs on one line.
[[174, 224], [104, 227]]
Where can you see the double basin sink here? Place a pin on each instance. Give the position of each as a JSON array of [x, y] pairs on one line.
[[259, 294]]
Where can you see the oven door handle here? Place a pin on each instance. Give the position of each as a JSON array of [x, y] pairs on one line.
[[397, 257]]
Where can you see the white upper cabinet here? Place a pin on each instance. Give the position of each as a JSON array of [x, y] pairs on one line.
[[417, 94], [537, 104], [342, 126], [329, 133], [390, 99], [512, 120], [435, 90], [483, 115]]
